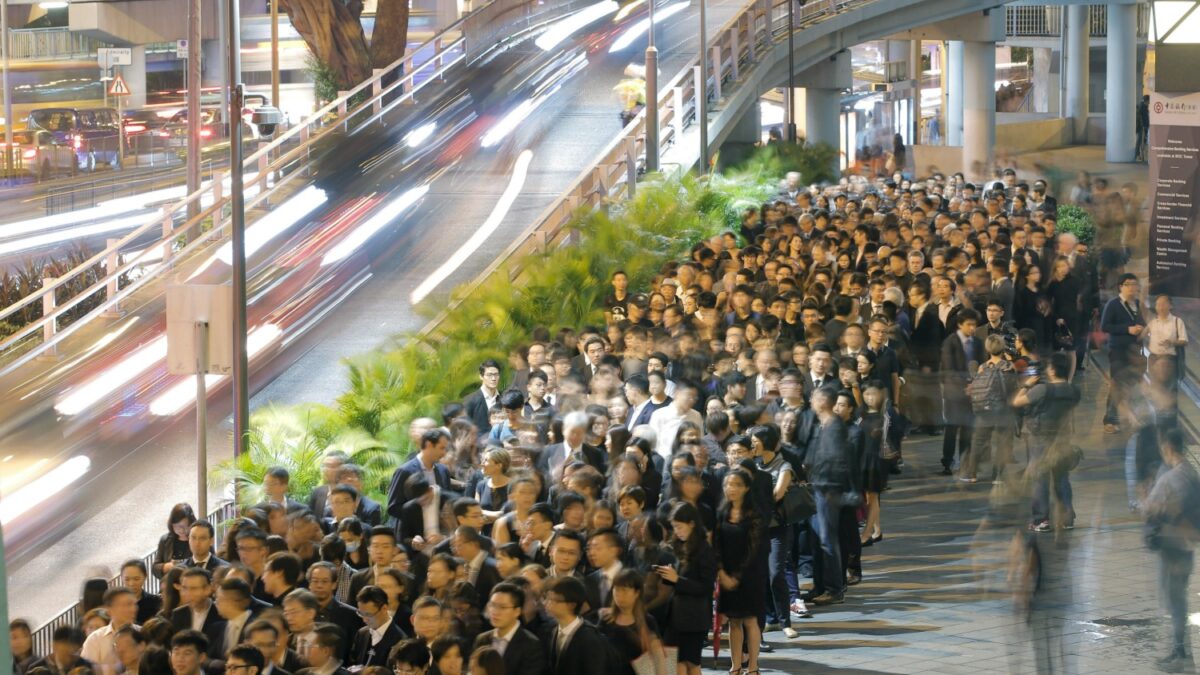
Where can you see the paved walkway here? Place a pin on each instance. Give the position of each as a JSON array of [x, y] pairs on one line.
[[938, 595]]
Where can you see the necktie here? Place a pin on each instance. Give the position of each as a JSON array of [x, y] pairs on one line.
[[558, 644], [969, 349], [500, 644], [604, 584], [1132, 311]]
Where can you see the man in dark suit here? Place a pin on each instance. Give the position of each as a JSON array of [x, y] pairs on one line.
[[374, 641], [325, 652], [322, 582], [637, 392], [331, 465], [522, 651], [64, 652], [604, 550], [369, 511], [381, 549], [585, 364], [433, 448], [420, 518], [1125, 322], [200, 543], [1002, 284], [926, 342], [962, 353], [196, 610], [479, 403], [268, 638], [275, 486], [555, 456], [481, 568], [467, 512], [233, 604], [574, 646]]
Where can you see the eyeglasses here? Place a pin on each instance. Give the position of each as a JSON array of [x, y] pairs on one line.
[[237, 666], [492, 605]]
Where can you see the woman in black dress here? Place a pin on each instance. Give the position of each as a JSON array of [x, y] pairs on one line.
[[740, 541], [691, 606], [492, 490], [874, 425], [625, 622]]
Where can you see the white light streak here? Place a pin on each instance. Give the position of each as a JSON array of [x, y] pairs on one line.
[[515, 184], [564, 28], [375, 223]]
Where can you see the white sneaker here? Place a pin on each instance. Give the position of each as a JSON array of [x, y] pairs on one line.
[[790, 633]]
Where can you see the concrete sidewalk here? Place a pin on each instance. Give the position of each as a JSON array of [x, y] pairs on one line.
[[939, 594]]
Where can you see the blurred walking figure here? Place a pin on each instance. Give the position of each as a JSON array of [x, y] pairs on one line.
[[1171, 512]]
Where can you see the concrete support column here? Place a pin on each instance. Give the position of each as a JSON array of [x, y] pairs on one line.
[[135, 77], [979, 108], [954, 93], [1075, 69], [913, 136], [821, 109], [748, 128], [1120, 96]]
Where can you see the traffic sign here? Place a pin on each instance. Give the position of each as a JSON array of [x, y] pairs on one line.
[[118, 87], [181, 49], [114, 56]]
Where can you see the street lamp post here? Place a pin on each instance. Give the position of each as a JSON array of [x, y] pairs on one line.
[[237, 224], [790, 99], [652, 99], [702, 91], [194, 86], [274, 52]]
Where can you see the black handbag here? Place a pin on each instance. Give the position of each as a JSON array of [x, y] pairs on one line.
[[797, 504]]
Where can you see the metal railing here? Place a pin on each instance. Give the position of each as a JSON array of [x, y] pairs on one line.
[[69, 616], [275, 165], [734, 49], [1047, 20], [50, 43]]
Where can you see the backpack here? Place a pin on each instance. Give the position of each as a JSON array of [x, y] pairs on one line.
[[987, 390]]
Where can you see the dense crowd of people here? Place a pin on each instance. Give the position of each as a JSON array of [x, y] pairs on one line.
[[719, 447]]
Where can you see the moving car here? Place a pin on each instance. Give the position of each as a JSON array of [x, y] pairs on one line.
[[94, 133]]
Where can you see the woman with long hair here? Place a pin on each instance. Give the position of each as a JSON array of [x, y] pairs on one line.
[[492, 491], [523, 492], [690, 614], [173, 546], [625, 622], [463, 458], [741, 544], [21, 639], [170, 592], [601, 516]]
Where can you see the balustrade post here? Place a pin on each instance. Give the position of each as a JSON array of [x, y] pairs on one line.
[[376, 90], [50, 327], [168, 230], [716, 70], [112, 262]]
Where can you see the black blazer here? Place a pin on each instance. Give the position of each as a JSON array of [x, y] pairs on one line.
[[591, 584], [411, 523], [477, 411], [213, 563], [1116, 321], [360, 580], [318, 500], [396, 495], [586, 653], [345, 618], [365, 654], [691, 606], [487, 579], [926, 340], [524, 655], [213, 629]]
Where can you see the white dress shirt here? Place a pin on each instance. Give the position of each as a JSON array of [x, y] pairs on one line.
[[501, 642], [666, 422]]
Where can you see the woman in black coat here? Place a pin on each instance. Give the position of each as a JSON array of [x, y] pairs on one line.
[[691, 607], [173, 546]]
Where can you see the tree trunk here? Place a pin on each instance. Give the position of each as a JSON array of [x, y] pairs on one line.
[[391, 32], [334, 35]]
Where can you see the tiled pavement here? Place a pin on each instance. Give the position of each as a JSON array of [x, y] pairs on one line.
[[939, 594]]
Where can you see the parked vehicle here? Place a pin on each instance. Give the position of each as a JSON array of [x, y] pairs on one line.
[[94, 133], [38, 153]]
